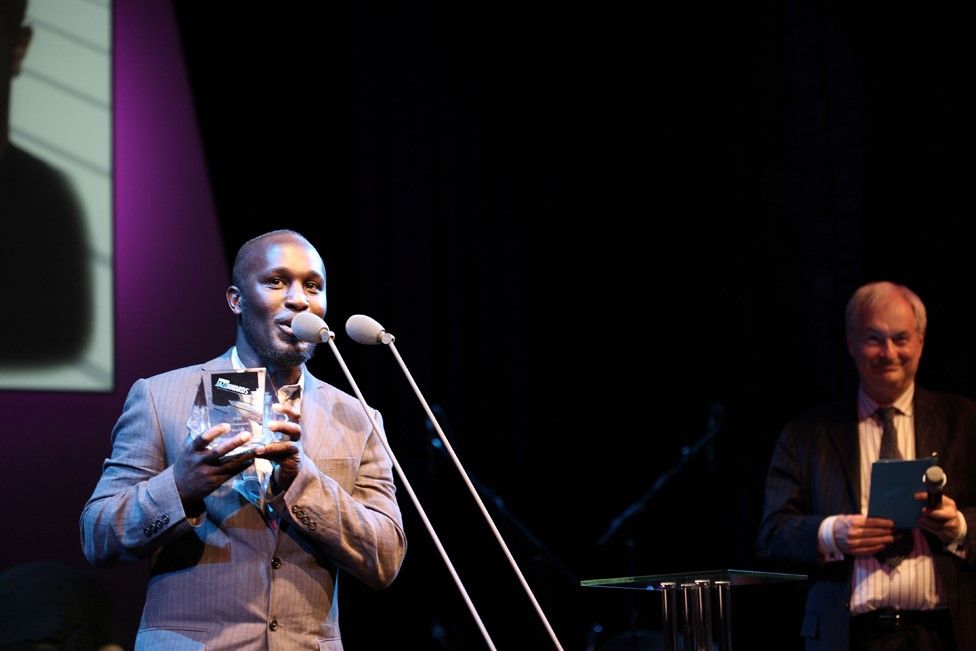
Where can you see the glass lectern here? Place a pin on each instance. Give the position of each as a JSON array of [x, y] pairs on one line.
[[698, 604]]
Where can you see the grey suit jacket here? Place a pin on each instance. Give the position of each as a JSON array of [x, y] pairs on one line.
[[815, 472], [234, 582]]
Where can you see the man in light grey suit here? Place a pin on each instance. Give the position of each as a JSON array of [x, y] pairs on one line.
[[228, 570]]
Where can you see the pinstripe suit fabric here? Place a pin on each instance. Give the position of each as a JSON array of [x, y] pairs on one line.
[[214, 586]]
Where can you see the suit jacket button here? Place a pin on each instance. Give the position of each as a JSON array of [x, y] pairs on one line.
[[147, 531], [165, 519], [311, 525], [275, 563], [273, 624]]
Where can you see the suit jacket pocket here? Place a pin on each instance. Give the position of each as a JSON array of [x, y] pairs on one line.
[[172, 639], [341, 469]]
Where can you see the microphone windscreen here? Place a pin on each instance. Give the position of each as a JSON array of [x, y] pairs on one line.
[[308, 327], [363, 329], [935, 477]]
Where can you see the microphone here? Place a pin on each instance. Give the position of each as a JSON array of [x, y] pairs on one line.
[[935, 481], [309, 327], [366, 330]]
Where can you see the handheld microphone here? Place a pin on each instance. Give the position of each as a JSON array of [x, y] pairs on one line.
[[935, 481]]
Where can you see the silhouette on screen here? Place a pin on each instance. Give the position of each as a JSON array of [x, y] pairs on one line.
[[43, 247]]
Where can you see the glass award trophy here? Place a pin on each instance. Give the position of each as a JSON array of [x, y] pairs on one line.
[[236, 397]]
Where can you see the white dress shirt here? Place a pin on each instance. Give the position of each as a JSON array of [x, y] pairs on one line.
[[914, 583]]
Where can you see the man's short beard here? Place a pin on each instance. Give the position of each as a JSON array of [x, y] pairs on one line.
[[272, 357]]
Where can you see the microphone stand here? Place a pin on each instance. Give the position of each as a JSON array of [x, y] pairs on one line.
[[330, 336], [687, 453], [387, 339]]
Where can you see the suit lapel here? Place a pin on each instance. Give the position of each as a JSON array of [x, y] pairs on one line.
[[843, 436], [311, 412], [219, 363], [929, 429]]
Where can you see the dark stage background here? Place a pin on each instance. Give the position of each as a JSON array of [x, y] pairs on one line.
[[589, 230]]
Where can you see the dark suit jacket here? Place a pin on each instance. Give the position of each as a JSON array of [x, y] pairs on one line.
[[815, 473]]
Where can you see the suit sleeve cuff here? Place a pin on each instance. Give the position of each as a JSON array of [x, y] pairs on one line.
[[163, 511]]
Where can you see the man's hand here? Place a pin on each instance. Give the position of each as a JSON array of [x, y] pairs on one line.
[[943, 521], [286, 455], [860, 535], [199, 471]]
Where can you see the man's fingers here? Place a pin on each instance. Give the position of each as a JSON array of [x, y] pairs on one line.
[[201, 442], [883, 523], [871, 532], [234, 463], [276, 450], [869, 544], [286, 410], [231, 444], [289, 429], [883, 539]]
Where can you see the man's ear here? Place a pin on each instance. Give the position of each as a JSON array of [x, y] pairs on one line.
[[234, 299], [21, 40]]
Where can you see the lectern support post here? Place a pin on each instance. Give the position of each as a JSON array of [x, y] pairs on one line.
[[669, 615], [703, 606], [723, 595]]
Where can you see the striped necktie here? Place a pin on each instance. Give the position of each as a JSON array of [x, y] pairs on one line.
[[904, 542]]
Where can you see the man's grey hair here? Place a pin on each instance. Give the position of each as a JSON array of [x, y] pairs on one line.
[[874, 294]]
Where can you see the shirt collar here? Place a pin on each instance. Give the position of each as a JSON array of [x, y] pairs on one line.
[[866, 406], [235, 361]]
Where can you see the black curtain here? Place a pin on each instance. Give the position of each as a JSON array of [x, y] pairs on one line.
[[590, 228]]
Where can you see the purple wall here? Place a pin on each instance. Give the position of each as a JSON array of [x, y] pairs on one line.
[[170, 276]]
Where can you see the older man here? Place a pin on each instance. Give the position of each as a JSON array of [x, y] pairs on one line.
[[231, 569], [873, 587]]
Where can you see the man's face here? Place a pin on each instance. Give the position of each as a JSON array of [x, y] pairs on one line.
[[282, 277], [886, 348]]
